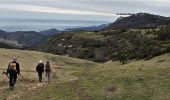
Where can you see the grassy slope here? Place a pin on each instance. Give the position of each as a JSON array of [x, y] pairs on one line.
[[28, 61], [137, 80]]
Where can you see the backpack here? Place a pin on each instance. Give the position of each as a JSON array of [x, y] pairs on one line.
[[47, 68], [12, 67]]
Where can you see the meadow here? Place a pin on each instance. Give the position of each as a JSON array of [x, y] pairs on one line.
[[77, 79]]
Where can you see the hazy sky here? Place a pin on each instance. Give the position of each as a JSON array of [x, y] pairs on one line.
[[103, 10], [24, 15]]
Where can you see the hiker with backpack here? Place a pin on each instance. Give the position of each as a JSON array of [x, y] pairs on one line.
[[12, 70], [47, 71], [40, 70]]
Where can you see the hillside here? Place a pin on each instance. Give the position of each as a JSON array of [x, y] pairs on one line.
[[83, 80], [90, 28], [21, 39], [29, 59], [4, 45], [111, 44], [140, 20], [2, 33], [50, 32]]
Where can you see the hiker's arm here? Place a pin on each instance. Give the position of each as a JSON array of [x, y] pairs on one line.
[[18, 69], [51, 69], [37, 68], [43, 68], [8, 69]]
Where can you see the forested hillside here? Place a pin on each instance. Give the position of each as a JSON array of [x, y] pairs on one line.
[[118, 44]]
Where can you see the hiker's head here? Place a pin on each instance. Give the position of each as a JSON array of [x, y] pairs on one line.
[[40, 61], [14, 59], [48, 62]]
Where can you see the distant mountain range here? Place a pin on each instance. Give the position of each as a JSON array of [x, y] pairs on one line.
[[90, 28], [140, 20], [50, 32], [29, 39]]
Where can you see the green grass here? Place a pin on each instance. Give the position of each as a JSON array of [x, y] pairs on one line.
[[137, 80]]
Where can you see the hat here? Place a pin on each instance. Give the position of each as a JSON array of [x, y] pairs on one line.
[[40, 61], [14, 59]]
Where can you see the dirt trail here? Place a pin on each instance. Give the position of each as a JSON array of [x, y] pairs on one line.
[[32, 87], [29, 88], [20, 89]]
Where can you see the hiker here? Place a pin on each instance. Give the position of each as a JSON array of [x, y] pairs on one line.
[[13, 69], [40, 70], [47, 71]]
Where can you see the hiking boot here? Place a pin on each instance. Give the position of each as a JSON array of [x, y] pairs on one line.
[[11, 88]]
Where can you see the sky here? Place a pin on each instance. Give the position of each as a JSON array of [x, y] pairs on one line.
[[78, 10]]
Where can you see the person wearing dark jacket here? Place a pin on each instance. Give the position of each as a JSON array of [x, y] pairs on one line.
[[13, 69], [40, 70]]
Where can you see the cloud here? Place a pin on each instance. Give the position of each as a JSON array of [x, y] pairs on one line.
[[45, 9]]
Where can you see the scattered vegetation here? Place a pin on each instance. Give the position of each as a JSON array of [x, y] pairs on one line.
[[118, 44]]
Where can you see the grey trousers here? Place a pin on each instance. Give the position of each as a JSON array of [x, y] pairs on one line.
[[47, 76]]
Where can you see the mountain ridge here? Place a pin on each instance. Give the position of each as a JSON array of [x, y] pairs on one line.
[[50, 31], [134, 41], [139, 20]]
